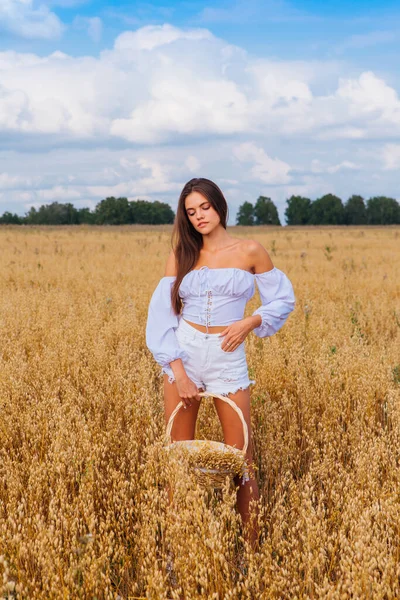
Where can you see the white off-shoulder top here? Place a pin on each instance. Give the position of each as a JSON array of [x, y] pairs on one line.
[[215, 297]]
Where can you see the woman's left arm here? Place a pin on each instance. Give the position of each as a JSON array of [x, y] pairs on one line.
[[277, 297], [276, 293]]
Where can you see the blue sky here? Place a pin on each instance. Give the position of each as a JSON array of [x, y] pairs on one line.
[[265, 97]]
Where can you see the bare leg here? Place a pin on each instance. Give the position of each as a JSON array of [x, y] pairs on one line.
[[245, 494], [184, 426], [233, 435]]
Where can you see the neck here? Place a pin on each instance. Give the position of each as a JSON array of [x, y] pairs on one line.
[[216, 240]]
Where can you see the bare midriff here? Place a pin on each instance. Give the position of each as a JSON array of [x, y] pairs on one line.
[[203, 328]]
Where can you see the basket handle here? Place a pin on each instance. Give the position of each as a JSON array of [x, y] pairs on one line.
[[225, 399]]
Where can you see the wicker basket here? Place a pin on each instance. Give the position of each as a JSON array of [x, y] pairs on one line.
[[211, 462]]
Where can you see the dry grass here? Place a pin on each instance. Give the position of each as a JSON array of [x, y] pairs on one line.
[[83, 504]]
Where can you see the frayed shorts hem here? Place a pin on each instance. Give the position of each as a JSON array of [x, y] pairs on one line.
[[223, 391]]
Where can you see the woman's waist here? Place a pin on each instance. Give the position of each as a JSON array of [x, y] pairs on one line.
[[212, 322], [205, 329]]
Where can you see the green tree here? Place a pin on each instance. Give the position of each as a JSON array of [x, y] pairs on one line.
[[65, 214], [382, 210], [117, 211], [298, 210], [110, 211], [355, 212], [86, 216], [266, 212], [53, 214], [151, 213], [245, 215], [10, 218], [113, 211], [327, 210], [31, 216]]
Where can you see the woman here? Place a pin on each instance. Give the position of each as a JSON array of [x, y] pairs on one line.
[[201, 347]]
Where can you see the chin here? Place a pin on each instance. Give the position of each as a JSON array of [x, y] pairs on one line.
[[209, 227]]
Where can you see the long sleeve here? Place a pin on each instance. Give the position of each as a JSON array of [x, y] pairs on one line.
[[161, 324], [278, 301]]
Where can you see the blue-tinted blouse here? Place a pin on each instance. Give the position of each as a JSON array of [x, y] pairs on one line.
[[215, 297]]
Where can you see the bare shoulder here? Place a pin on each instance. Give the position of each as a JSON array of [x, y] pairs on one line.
[[170, 267], [258, 256]]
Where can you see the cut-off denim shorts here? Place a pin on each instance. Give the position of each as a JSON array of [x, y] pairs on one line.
[[209, 366]]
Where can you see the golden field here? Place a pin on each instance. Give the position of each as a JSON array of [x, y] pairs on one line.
[[83, 507]]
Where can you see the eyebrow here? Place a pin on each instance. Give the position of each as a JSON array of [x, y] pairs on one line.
[[193, 208]]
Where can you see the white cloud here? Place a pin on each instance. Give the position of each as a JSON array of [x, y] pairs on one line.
[[182, 106], [338, 132], [155, 179], [266, 169], [12, 182], [52, 95], [391, 157], [155, 36], [26, 196], [278, 82], [318, 167], [132, 176], [58, 193], [161, 84], [364, 107], [130, 188], [368, 93], [229, 181], [370, 97], [20, 18], [192, 163]]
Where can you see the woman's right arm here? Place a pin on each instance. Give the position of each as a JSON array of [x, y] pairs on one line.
[[177, 364], [160, 334], [161, 322]]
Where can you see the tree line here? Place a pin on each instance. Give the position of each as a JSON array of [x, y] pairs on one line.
[[110, 211], [327, 210]]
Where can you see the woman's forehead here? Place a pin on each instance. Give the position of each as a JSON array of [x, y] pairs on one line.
[[194, 199]]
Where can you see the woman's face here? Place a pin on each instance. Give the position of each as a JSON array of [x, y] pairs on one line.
[[201, 213]]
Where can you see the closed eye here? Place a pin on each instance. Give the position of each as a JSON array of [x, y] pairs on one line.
[[203, 207]]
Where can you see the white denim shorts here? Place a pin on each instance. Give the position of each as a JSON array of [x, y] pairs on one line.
[[208, 366]]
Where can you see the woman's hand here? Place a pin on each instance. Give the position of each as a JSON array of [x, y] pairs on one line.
[[187, 390], [236, 333]]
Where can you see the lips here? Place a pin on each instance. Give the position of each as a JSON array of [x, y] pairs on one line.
[[202, 224]]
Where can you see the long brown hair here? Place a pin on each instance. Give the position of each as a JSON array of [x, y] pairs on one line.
[[186, 240]]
